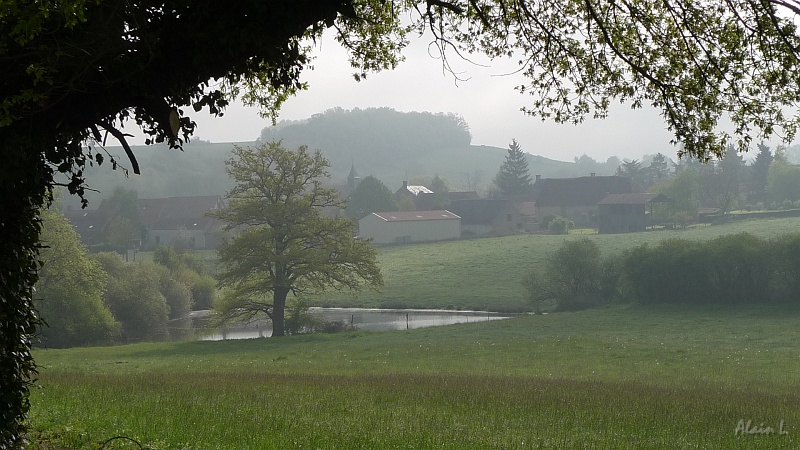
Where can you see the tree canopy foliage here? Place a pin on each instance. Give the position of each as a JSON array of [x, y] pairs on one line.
[[381, 131], [370, 195], [74, 71], [69, 294], [286, 244]]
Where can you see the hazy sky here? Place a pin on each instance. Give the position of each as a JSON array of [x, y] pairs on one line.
[[487, 100]]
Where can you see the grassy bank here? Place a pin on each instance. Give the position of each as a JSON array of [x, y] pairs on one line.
[[487, 274], [621, 377]]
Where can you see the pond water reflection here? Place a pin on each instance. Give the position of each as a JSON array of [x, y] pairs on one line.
[[362, 319]]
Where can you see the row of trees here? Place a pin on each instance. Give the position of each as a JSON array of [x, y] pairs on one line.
[[98, 298], [729, 183], [732, 269]]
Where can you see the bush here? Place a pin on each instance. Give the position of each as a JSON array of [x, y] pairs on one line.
[[300, 321], [176, 259], [740, 268], [735, 269], [560, 225], [204, 292], [189, 269], [177, 296], [74, 311], [136, 301], [674, 271], [575, 277], [111, 262], [69, 293], [785, 254]]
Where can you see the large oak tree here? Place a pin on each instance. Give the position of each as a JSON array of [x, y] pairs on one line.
[[286, 243], [74, 70]]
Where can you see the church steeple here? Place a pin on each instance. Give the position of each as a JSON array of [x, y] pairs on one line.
[[353, 179]]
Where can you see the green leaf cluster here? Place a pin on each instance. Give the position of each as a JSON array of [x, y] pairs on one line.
[[69, 294]]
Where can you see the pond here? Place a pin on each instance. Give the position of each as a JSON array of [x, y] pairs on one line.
[[360, 318]]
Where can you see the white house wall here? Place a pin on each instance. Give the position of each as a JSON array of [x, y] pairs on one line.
[[393, 232]]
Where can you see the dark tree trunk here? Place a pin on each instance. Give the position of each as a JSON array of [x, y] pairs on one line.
[[23, 189], [279, 311]]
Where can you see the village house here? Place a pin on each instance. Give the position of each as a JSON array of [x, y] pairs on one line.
[[576, 198], [399, 227], [627, 213], [90, 224], [169, 219], [488, 217], [422, 197], [163, 221]]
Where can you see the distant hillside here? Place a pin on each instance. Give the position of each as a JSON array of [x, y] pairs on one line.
[[393, 146]]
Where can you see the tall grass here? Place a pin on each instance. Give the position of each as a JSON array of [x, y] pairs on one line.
[[622, 377]]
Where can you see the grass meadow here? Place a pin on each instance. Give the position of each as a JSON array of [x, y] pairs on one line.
[[621, 377], [487, 274], [616, 377]]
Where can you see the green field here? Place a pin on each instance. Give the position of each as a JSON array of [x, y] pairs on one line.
[[622, 376], [487, 274], [617, 377]]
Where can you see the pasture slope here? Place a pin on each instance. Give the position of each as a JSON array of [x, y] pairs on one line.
[[487, 274]]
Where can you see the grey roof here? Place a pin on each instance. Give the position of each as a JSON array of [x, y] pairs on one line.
[[90, 224], [582, 191], [479, 212], [633, 199], [463, 195], [157, 211], [398, 216]]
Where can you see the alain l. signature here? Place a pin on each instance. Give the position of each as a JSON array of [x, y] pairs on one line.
[[748, 428]]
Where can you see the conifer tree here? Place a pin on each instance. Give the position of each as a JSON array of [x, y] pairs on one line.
[[514, 179]]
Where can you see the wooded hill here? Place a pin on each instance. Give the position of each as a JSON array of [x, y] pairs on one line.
[[390, 145]]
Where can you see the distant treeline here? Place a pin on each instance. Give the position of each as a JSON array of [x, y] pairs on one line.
[[381, 132]]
